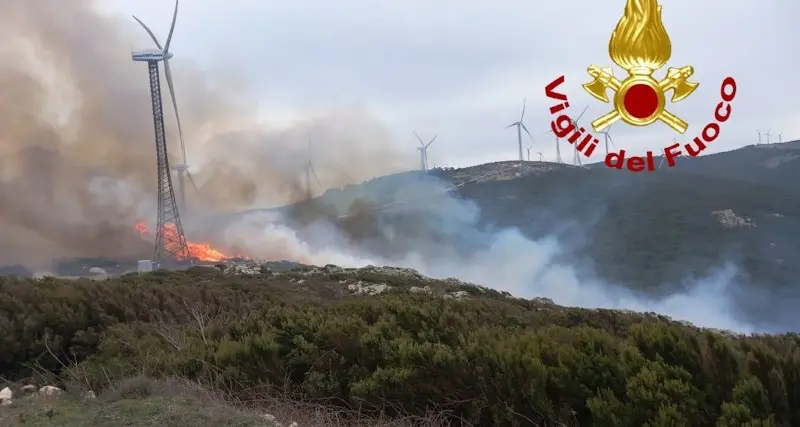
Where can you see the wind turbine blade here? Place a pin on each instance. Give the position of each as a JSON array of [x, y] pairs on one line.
[[313, 172], [419, 139], [611, 141], [191, 180], [524, 103], [431, 141], [512, 125], [582, 113], [168, 74], [526, 131], [171, 27], [150, 33]]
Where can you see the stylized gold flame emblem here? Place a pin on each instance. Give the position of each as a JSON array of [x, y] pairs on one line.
[[640, 45]]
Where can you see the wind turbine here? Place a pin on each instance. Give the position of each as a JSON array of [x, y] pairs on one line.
[[520, 127], [541, 156], [576, 159], [183, 168], [423, 152], [780, 137], [308, 168], [759, 136], [768, 135], [664, 153], [559, 160], [170, 240], [607, 135], [529, 152]]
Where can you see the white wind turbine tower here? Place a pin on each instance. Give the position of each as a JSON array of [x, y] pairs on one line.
[[520, 127], [780, 137], [183, 168], [529, 152], [768, 135], [607, 135], [541, 156], [664, 152], [559, 160], [423, 152], [308, 169], [576, 158], [759, 136]]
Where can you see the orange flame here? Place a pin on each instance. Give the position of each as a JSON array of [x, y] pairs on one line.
[[198, 251]]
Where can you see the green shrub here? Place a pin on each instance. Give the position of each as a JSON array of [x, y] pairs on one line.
[[488, 359]]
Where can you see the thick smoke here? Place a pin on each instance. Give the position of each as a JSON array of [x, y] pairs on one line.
[[77, 169], [77, 162], [449, 242]]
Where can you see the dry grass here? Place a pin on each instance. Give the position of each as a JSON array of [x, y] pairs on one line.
[[174, 402]]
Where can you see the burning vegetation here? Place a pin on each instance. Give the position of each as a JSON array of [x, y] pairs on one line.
[[203, 252]]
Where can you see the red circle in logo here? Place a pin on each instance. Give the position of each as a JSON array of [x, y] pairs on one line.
[[641, 101]]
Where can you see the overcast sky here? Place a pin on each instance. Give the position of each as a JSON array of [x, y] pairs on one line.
[[461, 68]]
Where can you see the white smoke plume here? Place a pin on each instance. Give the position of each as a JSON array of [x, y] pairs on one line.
[[506, 260], [77, 169]]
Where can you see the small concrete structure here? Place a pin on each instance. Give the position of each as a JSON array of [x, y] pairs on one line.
[[145, 266]]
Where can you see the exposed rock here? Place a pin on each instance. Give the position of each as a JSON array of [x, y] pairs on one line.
[[97, 271], [89, 395], [363, 288], [293, 424], [393, 271], [418, 290], [49, 390], [542, 300], [6, 394], [249, 269], [730, 220], [457, 295], [28, 389], [501, 171]]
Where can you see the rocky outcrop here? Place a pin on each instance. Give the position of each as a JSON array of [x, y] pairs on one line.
[[729, 219], [273, 422], [30, 391]]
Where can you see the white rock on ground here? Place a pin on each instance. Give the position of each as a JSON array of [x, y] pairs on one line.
[[6, 394], [362, 288], [49, 390], [729, 219], [28, 389], [98, 271], [271, 419], [458, 295]]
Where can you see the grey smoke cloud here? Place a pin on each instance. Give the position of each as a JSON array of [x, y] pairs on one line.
[[76, 113], [77, 166], [449, 241]]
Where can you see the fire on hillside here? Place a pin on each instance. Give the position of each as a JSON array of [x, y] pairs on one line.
[[203, 252]]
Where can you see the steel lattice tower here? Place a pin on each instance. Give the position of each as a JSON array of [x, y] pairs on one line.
[[170, 240]]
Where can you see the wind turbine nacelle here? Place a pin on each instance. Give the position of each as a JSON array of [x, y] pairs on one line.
[[150, 55]]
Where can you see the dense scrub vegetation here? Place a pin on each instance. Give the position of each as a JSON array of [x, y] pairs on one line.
[[488, 359]]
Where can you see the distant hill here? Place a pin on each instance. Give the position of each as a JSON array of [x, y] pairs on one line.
[[770, 164], [647, 231]]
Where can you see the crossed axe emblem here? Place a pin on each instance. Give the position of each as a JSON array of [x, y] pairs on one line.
[[676, 79]]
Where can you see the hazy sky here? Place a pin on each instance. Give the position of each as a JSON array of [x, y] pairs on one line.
[[461, 68]]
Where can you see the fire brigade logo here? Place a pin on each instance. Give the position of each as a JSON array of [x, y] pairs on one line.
[[640, 45]]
